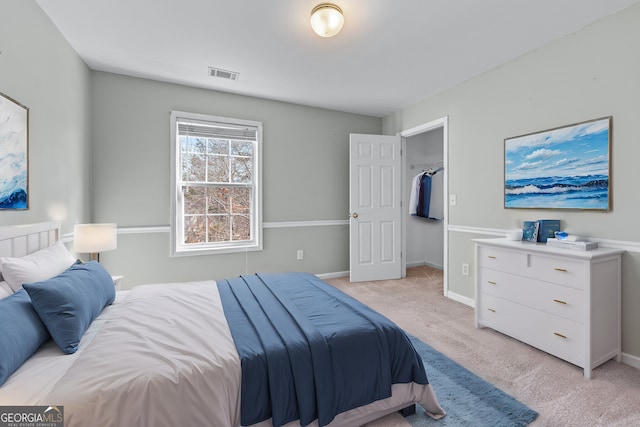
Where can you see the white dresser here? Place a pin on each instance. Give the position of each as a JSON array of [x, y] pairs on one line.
[[565, 302]]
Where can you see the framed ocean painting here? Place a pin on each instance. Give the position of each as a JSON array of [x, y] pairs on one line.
[[562, 168], [14, 150]]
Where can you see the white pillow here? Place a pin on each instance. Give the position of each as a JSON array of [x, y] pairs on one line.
[[36, 267], [5, 290]]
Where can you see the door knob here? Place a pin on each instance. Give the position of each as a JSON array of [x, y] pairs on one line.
[[355, 215]]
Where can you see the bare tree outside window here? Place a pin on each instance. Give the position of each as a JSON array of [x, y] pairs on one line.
[[211, 204]]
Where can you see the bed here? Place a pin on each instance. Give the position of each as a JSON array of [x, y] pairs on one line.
[[193, 353]]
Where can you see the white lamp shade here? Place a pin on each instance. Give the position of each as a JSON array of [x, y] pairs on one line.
[[93, 238], [327, 19]]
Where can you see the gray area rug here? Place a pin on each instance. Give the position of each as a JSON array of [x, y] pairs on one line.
[[468, 399]]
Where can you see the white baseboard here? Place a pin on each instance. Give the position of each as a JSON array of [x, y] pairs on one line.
[[333, 275], [423, 263], [631, 360], [462, 299], [415, 264]]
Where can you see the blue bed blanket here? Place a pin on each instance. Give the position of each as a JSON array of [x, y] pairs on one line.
[[310, 351]]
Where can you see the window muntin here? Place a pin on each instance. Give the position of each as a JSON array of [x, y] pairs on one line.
[[217, 186]]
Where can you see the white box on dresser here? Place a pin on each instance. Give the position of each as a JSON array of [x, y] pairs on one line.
[[561, 301]]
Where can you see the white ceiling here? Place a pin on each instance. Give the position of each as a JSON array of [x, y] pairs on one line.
[[389, 55]]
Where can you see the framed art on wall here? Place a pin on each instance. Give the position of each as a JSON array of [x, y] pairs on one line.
[[562, 168], [14, 154]]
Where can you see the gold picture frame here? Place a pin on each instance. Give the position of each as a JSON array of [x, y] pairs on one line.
[[568, 167]]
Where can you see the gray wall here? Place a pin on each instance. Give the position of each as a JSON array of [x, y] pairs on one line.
[[305, 178], [39, 69], [592, 73], [589, 74], [99, 151]]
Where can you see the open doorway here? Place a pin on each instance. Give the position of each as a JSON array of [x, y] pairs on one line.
[[424, 241]]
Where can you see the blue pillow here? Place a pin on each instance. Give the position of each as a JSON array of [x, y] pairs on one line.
[[21, 332], [69, 302]]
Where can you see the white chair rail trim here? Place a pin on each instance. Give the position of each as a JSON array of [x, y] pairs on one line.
[[627, 245], [166, 229]]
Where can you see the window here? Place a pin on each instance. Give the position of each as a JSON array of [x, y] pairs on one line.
[[216, 192]]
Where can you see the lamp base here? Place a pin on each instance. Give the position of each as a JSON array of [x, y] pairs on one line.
[[95, 256]]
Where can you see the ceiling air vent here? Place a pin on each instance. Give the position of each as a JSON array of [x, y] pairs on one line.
[[223, 74]]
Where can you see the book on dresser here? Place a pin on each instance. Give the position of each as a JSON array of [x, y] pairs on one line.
[[575, 245], [547, 229]]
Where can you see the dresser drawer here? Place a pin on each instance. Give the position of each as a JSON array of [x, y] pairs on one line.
[[564, 271], [558, 300], [558, 336], [502, 259]]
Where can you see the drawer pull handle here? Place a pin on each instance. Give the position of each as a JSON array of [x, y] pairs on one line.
[[560, 335], [560, 301], [491, 257], [564, 270], [491, 282], [491, 310]]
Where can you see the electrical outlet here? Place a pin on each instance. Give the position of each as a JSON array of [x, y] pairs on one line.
[[300, 254], [465, 269]]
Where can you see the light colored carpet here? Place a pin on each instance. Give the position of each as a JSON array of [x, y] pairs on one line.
[[554, 388]]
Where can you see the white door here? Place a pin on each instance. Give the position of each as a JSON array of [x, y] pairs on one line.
[[374, 206]]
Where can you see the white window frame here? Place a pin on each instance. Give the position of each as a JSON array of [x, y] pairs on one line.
[[178, 247]]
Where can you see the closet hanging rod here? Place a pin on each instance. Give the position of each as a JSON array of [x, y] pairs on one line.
[[433, 165]]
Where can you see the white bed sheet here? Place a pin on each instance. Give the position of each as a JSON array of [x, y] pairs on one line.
[[39, 374], [161, 355]]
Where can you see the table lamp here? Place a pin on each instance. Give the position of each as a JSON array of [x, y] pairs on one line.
[[95, 238]]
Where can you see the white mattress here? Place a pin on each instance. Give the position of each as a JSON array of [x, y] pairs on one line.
[[161, 355]]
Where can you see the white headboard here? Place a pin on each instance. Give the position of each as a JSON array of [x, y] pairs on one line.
[[21, 240]]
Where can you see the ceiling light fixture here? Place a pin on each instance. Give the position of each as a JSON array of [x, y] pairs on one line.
[[327, 19]]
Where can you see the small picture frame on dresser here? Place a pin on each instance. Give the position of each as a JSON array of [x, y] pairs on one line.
[[530, 231]]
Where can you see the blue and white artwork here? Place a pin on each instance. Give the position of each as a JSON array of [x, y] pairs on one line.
[[13, 154], [564, 168]]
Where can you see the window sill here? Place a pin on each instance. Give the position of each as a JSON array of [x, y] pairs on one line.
[[183, 252]]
